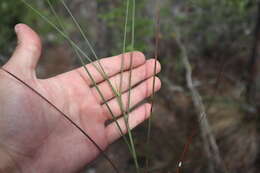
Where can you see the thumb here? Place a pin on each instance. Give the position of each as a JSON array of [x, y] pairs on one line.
[[27, 52]]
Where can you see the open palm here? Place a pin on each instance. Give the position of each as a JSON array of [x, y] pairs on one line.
[[36, 137]]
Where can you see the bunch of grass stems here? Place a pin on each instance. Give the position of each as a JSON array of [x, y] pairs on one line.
[[85, 59]]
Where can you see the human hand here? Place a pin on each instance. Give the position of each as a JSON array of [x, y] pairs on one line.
[[35, 137]]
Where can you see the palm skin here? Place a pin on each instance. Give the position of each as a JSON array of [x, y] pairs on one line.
[[34, 137]]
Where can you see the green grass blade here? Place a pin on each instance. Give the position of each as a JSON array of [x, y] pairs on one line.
[[80, 29], [102, 72], [126, 115], [58, 30], [76, 48], [83, 63], [124, 44], [56, 15], [79, 51]]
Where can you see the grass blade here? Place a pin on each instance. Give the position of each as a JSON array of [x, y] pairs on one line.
[[80, 29], [124, 45], [78, 51], [83, 63], [101, 70], [126, 115]]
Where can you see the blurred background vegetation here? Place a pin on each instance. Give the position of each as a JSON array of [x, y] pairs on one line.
[[220, 39]]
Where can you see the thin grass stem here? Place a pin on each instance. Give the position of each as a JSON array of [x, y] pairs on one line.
[[79, 51], [117, 94], [126, 116], [79, 28], [156, 55], [124, 45], [83, 63]]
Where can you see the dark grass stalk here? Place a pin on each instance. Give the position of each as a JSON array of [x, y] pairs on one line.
[[156, 55], [65, 116], [83, 63]]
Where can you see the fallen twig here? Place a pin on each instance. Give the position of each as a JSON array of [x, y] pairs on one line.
[[210, 146]]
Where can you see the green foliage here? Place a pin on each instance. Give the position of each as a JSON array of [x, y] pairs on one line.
[[10, 15], [115, 19], [215, 25], [13, 12]]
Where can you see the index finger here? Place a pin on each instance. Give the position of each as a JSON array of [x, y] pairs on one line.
[[111, 67]]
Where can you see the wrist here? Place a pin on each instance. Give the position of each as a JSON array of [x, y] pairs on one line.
[[7, 163], [13, 163]]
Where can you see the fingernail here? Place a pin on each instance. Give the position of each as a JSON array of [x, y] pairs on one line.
[[17, 27]]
